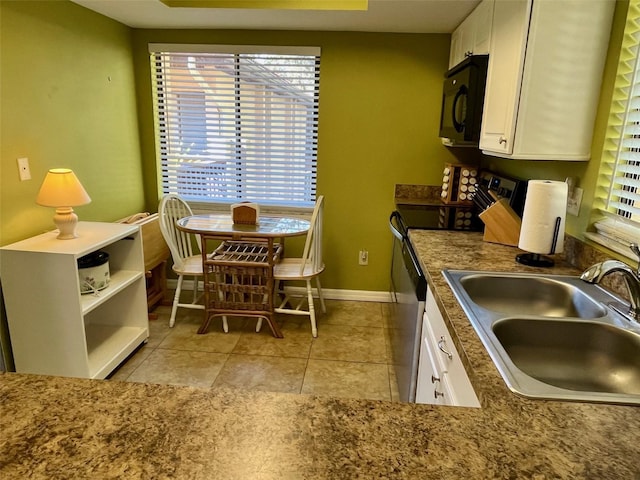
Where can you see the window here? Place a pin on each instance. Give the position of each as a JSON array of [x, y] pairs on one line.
[[618, 188], [237, 123]]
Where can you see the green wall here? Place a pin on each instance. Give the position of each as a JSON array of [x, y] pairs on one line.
[[379, 119], [67, 100]]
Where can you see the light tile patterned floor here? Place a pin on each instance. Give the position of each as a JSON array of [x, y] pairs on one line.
[[350, 358]]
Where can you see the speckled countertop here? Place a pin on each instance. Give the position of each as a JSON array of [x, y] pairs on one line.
[[53, 427], [418, 195]]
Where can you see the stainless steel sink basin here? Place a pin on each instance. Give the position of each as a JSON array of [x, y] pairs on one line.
[[580, 356], [552, 337], [530, 296]]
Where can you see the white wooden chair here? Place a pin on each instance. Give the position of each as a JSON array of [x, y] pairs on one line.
[[187, 262], [306, 268]]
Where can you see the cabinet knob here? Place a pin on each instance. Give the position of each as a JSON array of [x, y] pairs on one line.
[[442, 344], [502, 140], [437, 394], [434, 379], [468, 53]]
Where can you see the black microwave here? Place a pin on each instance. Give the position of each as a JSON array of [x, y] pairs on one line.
[[462, 101]]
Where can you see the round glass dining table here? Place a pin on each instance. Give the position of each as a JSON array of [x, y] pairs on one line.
[[220, 226]]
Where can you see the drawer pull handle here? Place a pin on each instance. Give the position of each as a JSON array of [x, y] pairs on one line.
[[442, 343], [502, 140]]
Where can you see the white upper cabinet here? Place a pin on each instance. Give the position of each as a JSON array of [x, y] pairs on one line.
[[546, 59], [473, 35]]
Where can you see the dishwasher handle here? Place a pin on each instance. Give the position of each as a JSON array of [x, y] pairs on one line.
[[397, 227]]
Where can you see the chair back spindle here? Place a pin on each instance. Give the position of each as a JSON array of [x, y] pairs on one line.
[[312, 253]]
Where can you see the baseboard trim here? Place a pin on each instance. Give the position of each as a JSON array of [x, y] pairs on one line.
[[329, 293], [355, 295]]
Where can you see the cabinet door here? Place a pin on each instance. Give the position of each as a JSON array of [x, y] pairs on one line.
[[504, 76], [462, 40], [483, 27], [472, 37], [456, 54], [566, 51]]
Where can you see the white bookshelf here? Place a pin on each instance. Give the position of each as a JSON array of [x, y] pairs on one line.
[[54, 329]]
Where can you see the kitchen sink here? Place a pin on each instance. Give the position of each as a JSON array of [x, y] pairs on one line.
[[552, 336], [580, 356], [530, 296]]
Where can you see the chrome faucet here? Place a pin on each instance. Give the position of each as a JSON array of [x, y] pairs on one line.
[[595, 273]]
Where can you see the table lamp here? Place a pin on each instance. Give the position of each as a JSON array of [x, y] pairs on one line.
[[62, 189]]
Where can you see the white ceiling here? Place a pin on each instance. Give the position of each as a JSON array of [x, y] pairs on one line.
[[398, 16]]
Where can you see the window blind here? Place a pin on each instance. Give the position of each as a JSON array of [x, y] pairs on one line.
[[619, 182], [237, 124], [618, 188]]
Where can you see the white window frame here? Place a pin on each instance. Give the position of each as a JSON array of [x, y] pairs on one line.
[[271, 119], [617, 196]]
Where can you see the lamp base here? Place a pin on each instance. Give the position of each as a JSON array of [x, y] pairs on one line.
[[534, 260], [66, 222]]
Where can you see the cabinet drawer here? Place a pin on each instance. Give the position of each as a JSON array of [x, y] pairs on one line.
[[433, 386], [442, 344], [438, 341]]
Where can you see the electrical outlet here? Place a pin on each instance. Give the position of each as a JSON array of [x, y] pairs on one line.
[[23, 169], [363, 257], [574, 200]]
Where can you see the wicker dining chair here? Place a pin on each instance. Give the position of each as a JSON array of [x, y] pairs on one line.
[[238, 280]]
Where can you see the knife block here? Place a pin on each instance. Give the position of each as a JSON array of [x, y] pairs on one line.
[[501, 224]]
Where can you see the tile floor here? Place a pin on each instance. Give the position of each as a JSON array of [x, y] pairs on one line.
[[350, 358]]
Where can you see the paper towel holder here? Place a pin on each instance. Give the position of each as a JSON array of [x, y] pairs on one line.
[[537, 259]]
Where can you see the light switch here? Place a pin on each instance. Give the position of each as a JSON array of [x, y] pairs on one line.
[[23, 169]]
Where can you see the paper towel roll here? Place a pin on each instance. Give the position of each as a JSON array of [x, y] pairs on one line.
[[544, 216]]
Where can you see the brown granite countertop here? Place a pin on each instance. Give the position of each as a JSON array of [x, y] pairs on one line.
[[52, 427], [418, 195], [578, 440]]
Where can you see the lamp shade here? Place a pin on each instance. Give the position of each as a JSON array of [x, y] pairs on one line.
[[61, 188]]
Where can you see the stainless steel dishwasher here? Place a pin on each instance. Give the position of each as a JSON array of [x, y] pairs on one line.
[[408, 293]]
